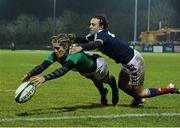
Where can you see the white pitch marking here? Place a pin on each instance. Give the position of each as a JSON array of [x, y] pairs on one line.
[[90, 117]]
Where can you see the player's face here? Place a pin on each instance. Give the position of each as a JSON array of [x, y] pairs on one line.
[[94, 26], [59, 50]]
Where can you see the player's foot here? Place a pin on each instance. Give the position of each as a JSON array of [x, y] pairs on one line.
[[104, 100], [173, 86], [136, 102], [115, 97], [177, 91]]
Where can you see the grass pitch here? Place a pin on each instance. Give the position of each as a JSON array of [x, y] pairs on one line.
[[73, 101]]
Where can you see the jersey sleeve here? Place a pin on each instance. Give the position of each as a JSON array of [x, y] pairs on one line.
[[60, 71], [51, 57], [84, 39], [43, 66], [90, 37], [100, 38]]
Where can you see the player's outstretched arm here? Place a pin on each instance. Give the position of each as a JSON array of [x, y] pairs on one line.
[[85, 47], [60, 71], [77, 39], [36, 70]]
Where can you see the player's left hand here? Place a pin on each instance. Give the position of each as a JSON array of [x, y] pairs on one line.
[[38, 80], [25, 78], [71, 36]]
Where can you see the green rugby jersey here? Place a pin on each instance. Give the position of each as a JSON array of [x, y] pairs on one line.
[[82, 61]]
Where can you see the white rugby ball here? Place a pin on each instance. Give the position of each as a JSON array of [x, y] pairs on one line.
[[24, 92]]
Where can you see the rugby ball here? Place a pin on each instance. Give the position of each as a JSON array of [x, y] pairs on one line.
[[24, 92]]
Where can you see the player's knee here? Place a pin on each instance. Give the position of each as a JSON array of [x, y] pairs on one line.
[[143, 93], [139, 93]]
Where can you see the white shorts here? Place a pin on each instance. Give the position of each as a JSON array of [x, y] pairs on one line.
[[102, 68], [136, 69]]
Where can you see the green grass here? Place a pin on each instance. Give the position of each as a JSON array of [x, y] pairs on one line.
[[73, 95]]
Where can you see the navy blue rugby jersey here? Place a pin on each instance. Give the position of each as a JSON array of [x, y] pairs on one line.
[[112, 46]]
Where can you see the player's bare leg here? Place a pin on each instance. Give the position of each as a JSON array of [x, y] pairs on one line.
[[124, 85]]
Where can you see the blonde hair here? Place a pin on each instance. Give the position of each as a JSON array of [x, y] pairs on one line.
[[62, 39]]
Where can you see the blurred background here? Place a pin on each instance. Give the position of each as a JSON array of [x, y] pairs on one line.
[[29, 24]]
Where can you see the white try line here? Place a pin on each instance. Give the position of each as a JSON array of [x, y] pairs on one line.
[[90, 117]]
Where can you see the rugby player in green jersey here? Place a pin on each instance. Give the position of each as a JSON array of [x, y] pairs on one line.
[[93, 67]]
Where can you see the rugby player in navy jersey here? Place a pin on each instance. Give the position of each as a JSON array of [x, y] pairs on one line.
[[131, 76], [93, 67]]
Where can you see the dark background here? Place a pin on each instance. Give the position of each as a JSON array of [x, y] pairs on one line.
[[10, 9], [31, 21]]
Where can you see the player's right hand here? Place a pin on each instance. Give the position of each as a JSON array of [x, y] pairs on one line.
[[75, 49], [25, 78], [38, 80]]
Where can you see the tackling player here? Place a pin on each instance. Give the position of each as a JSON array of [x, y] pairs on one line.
[[131, 76], [93, 67]]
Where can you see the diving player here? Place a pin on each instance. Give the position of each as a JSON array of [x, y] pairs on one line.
[[93, 67]]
